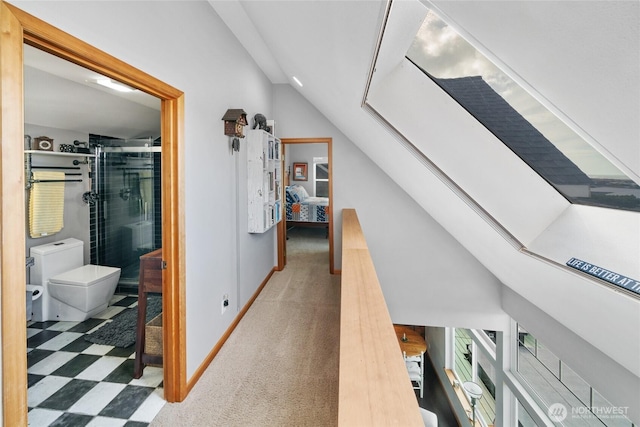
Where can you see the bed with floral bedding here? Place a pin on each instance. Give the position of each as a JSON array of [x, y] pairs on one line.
[[302, 209]]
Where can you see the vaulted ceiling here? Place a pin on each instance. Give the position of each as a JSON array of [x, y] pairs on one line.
[[585, 74], [330, 46], [589, 77], [580, 57]]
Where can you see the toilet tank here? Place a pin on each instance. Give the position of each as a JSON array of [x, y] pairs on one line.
[[54, 258]]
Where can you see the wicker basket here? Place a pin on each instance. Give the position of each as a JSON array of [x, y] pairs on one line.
[[153, 336]]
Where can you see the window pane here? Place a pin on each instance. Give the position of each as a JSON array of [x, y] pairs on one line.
[[322, 171], [608, 413], [539, 351], [487, 380], [524, 419], [557, 153], [322, 188], [491, 335], [577, 385], [567, 401], [549, 360], [527, 341], [552, 393], [463, 355]]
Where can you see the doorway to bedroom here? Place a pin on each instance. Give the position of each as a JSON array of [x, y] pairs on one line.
[[308, 192]]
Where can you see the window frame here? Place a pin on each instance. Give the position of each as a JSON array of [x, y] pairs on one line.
[[572, 192], [533, 394], [480, 342], [316, 162]]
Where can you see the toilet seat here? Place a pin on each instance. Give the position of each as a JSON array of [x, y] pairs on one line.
[[84, 276], [77, 294]]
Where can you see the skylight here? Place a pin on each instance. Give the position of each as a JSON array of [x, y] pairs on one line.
[[557, 153]]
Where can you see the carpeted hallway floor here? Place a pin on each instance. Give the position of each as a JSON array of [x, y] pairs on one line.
[[280, 365]]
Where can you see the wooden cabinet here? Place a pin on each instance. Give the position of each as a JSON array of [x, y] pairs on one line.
[[150, 282], [264, 180]]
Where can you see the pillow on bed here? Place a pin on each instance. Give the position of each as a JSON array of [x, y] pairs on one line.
[[290, 195], [299, 192]]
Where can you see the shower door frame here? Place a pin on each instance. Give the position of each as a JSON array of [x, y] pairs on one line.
[[18, 27], [101, 215]]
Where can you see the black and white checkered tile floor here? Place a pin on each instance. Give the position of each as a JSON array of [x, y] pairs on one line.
[[73, 382]]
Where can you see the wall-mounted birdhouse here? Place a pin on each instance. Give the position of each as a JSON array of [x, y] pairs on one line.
[[234, 121]]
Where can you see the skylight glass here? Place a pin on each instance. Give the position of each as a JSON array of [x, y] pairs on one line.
[[528, 128]]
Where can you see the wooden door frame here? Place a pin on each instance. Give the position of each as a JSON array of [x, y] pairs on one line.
[[16, 28], [282, 227]]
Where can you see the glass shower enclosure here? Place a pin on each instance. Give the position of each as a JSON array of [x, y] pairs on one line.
[[125, 204]]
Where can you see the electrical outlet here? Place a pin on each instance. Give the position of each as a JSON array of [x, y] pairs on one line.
[[225, 302]]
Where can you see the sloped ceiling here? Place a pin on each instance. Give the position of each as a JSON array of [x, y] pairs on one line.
[[330, 46], [63, 95], [589, 76]]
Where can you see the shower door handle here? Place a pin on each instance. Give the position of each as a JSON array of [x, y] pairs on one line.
[[104, 209]]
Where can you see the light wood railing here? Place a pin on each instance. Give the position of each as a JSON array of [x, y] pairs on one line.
[[374, 388]]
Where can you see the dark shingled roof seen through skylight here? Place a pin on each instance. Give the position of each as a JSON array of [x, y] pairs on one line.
[[549, 145]]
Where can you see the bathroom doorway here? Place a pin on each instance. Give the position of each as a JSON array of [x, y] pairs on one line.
[[19, 28], [113, 195]]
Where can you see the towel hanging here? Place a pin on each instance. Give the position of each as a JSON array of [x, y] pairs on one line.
[[46, 203]]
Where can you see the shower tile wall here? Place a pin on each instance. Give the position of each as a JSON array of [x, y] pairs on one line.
[[126, 222]]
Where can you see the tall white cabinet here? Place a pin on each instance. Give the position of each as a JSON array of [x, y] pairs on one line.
[[264, 180]]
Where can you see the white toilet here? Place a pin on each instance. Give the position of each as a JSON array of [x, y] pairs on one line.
[[70, 290]]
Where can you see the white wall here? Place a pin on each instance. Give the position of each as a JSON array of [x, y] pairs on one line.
[[427, 277], [256, 252], [616, 383], [436, 339], [76, 212], [187, 46], [304, 153]]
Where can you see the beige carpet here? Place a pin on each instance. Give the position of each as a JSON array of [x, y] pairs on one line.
[[280, 365]]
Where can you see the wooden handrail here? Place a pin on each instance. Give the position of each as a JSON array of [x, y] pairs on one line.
[[374, 388]]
